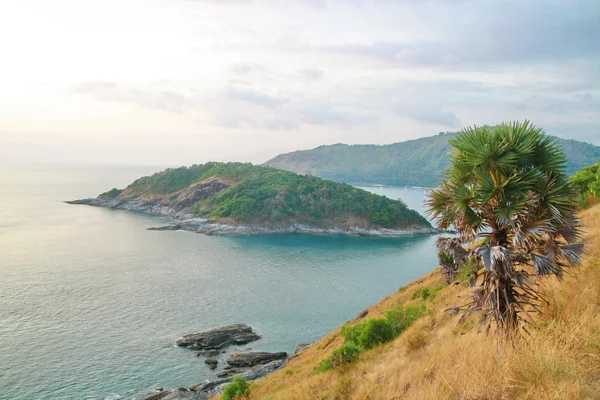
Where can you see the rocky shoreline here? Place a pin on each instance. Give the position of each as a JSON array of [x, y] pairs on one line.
[[185, 221], [250, 365]]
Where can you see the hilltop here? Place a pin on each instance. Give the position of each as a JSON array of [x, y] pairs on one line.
[[435, 358], [418, 162], [236, 198]]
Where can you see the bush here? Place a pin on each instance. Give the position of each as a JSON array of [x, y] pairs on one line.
[[325, 365], [425, 293], [372, 332], [400, 318], [346, 353], [237, 389]]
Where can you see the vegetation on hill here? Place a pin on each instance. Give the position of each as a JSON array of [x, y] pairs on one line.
[[507, 196], [250, 194], [587, 183], [434, 358], [419, 162]]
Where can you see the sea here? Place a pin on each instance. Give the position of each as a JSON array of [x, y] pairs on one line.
[[91, 302]]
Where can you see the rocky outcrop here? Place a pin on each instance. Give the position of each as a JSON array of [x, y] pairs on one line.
[[204, 226], [186, 221], [219, 337], [210, 389], [241, 360], [301, 347], [212, 363], [209, 353]]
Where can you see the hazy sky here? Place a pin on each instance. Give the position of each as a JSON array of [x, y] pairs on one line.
[[187, 81]]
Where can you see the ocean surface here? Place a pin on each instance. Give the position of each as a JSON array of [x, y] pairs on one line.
[[91, 302]]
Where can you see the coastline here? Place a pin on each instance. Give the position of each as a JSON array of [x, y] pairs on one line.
[[183, 220]]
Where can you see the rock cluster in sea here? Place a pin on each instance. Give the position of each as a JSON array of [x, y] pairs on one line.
[[249, 365]]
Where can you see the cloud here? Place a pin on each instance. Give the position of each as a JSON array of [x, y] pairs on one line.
[[244, 68], [255, 97], [429, 114], [310, 74], [476, 35], [166, 100]]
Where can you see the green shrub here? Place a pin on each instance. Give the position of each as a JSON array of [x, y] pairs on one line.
[[425, 293], [112, 193], [375, 332], [346, 353], [372, 332], [324, 366], [467, 271], [401, 318], [237, 389]]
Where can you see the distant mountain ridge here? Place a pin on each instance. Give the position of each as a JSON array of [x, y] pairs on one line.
[[418, 162]]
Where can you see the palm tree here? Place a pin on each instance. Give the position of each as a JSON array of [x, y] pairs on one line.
[[507, 196]]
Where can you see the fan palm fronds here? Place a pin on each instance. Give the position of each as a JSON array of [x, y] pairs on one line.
[[507, 196]]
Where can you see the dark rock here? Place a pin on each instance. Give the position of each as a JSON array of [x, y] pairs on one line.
[[82, 201], [158, 395], [301, 347], [229, 372], [212, 363], [174, 227], [219, 337], [209, 353], [254, 358]]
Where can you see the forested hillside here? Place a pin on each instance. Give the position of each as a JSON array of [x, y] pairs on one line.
[[419, 162], [247, 194]]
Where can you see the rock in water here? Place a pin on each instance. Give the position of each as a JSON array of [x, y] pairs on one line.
[[210, 353], [301, 347], [254, 358], [219, 337], [212, 363]]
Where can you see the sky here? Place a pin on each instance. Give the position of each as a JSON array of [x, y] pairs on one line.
[[177, 82]]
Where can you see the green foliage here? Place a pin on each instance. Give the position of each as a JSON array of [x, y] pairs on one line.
[[370, 333], [237, 389], [402, 317], [587, 184], [346, 353], [170, 180], [112, 193], [425, 293], [419, 162], [507, 195], [324, 366], [266, 195]]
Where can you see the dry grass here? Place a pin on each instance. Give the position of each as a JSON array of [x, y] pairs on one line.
[[435, 359]]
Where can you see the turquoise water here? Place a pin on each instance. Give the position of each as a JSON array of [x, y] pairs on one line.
[[91, 302]]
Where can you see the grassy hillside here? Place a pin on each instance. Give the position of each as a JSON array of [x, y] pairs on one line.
[[419, 162], [436, 359], [250, 194]]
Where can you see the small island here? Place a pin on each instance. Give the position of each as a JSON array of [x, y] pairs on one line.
[[245, 199]]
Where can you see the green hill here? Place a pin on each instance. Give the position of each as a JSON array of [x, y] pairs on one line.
[[246, 194], [419, 162]]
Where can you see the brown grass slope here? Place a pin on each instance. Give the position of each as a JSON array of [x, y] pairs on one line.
[[435, 359]]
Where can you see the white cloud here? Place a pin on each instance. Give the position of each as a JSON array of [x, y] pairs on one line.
[[269, 74]]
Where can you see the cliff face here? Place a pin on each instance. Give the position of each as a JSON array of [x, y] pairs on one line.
[[234, 198]]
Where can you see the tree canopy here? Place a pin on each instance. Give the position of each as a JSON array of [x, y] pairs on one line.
[[507, 195]]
